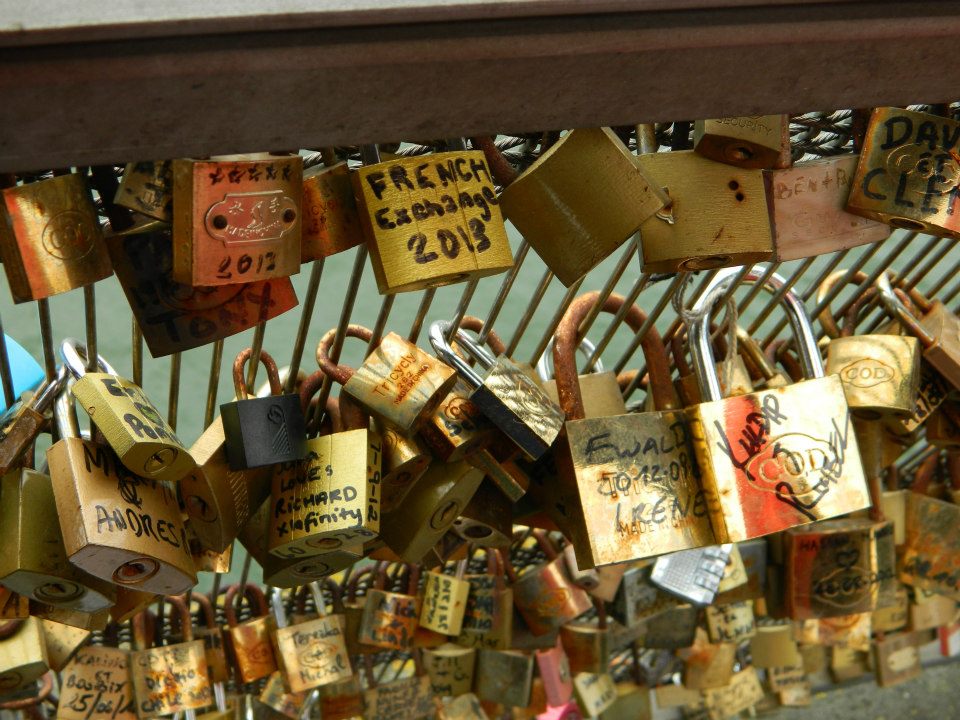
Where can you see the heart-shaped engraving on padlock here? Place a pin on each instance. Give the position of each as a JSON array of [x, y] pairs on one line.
[[847, 557]]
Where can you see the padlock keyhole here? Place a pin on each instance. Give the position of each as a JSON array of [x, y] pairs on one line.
[[136, 571]]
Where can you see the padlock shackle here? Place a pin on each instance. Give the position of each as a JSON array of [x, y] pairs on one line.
[[786, 359], [339, 373], [354, 583], [74, 354], [142, 627], [754, 353], [276, 606], [503, 172], [206, 609], [698, 319], [439, 330], [829, 323], [65, 411], [546, 544], [179, 607], [273, 374], [494, 341], [585, 347], [352, 416], [565, 362], [318, 600], [253, 594], [896, 307]]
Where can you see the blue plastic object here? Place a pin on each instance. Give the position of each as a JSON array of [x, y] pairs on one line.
[[27, 372]]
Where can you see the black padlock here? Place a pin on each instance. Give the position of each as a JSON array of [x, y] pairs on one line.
[[263, 430]]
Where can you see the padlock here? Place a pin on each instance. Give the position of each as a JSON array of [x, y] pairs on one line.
[[716, 215], [601, 583], [486, 520], [732, 372], [398, 383], [940, 430], [880, 373], [771, 460], [673, 628], [504, 677], [774, 646], [847, 664], [342, 701], [390, 619], [275, 697], [250, 640], [595, 692], [169, 678], [637, 598], [602, 396], [932, 545], [554, 668], [937, 330], [220, 501], [212, 636], [50, 238], [752, 556], [743, 692], [488, 618], [781, 678], [236, 218], [504, 393], [444, 601], [897, 659], [808, 209], [754, 358], [628, 484], [839, 567], [263, 430], [130, 423], [116, 526], [907, 174], [707, 665], [462, 707], [431, 221], [62, 642], [580, 201], [544, 594], [205, 560], [331, 222], [97, 681], [34, 562], [450, 668], [732, 623], [23, 654], [147, 188], [586, 644], [892, 617], [429, 509], [750, 141], [404, 461], [929, 610], [411, 697], [633, 701], [173, 316], [310, 654]]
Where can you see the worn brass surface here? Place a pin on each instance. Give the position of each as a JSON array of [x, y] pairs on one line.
[[23, 656], [897, 658], [106, 669], [312, 654], [595, 692], [389, 620], [601, 394], [546, 598], [404, 461], [731, 623], [410, 697], [931, 557], [62, 641], [450, 668], [147, 188], [252, 647], [880, 373], [752, 141], [331, 223], [456, 428], [774, 646], [504, 676], [743, 692], [170, 679], [444, 603]]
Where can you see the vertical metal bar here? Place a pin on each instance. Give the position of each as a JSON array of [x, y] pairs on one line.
[[386, 306], [529, 312], [90, 317], [608, 287], [638, 286], [555, 320], [462, 306], [213, 383], [425, 302], [306, 315], [173, 400], [136, 353], [887, 262], [46, 338], [6, 374], [652, 317], [504, 291]]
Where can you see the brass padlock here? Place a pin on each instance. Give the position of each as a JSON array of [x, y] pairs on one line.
[[932, 549], [212, 636], [220, 501], [487, 519], [431, 220], [450, 668], [839, 567], [637, 598], [390, 619], [629, 486], [717, 215], [707, 665], [97, 681], [731, 623], [808, 209], [892, 617], [147, 188], [444, 601], [633, 701], [544, 594], [332, 499], [907, 174], [586, 644], [410, 697], [250, 640], [174, 317], [602, 396], [758, 364], [34, 562], [236, 218], [732, 372], [743, 692], [263, 430], [277, 700], [750, 141], [462, 707], [770, 460], [404, 461], [62, 641], [897, 659], [595, 692], [313, 653], [938, 330], [488, 618], [398, 383], [130, 423], [26, 420], [774, 646], [169, 678], [929, 610], [50, 238], [601, 583], [503, 393], [23, 654], [116, 526], [504, 677], [580, 200], [331, 223], [880, 373], [673, 628]]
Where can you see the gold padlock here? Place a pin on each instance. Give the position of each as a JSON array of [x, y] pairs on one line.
[[743, 692], [504, 677], [413, 694], [130, 423], [147, 188], [595, 692], [389, 619], [897, 659], [717, 215], [450, 668], [236, 218], [602, 396], [331, 223], [743, 443], [488, 618], [774, 646], [170, 678], [629, 486], [250, 640], [580, 201], [707, 665], [750, 141], [731, 623], [486, 520], [62, 642], [586, 644], [444, 601], [932, 547], [404, 461], [97, 681], [50, 238], [34, 562], [734, 376], [116, 526], [23, 654], [212, 636], [907, 174], [431, 220]]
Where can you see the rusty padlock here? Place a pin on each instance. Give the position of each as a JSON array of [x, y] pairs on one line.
[[250, 640]]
